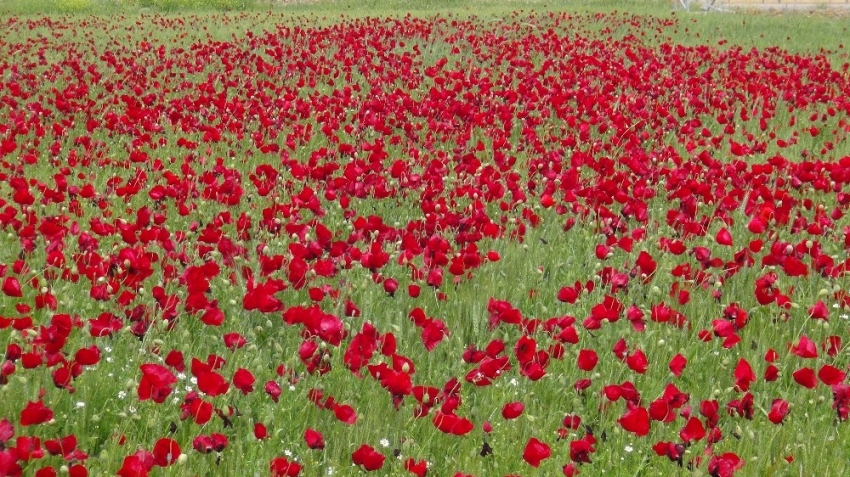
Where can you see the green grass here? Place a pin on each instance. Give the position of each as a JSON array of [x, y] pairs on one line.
[[802, 32], [114, 7]]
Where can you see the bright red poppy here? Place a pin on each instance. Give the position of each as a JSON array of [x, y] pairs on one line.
[[368, 458]]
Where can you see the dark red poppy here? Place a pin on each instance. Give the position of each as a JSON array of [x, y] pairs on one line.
[[581, 450], [273, 389], [724, 465], [64, 446], [314, 439]]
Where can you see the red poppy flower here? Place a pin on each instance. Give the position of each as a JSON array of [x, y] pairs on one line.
[[212, 316], [805, 348], [77, 470], [671, 450], [569, 294], [830, 375], [637, 362], [390, 286], [212, 383], [28, 448], [677, 365], [314, 439], [243, 380], [571, 421], [693, 431], [88, 356], [367, 457], [210, 443], [635, 420], [417, 468], [34, 413], [778, 411], [580, 451], [723, 237], [433, 333], [744, 375], [452, 424], [12, 287], [200, 410], [204, 444], [535, 452], [345, 413], [165, 452], [819, 311], [771, 355], [513, 410], [234, 341], [175, 360], [273, 389], [841, 401], [831, 345], [283, 467], [725, 465], [133, 466], [156, 383], [621, 349], [805, 377], [64, 446], [771, 373], [587, 359]]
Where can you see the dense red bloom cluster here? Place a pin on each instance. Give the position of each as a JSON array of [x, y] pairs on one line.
[[261, 187]]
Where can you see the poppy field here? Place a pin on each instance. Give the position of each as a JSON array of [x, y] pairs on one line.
[[548, 243]]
